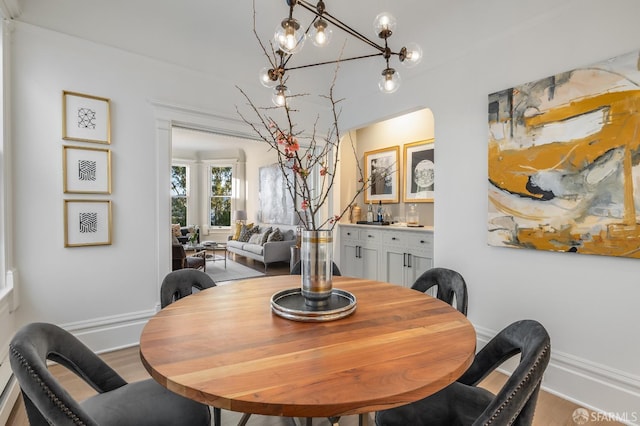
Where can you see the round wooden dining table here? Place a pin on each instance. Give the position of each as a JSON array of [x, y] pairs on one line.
[[226, 348]]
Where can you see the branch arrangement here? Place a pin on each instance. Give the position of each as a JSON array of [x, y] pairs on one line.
[[316, 159]]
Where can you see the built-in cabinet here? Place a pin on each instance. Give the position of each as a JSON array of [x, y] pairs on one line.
[[392, 254]]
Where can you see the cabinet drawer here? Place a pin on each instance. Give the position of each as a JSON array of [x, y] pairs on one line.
[[395, 238], [422, 242], [369, 237], [349, 234]]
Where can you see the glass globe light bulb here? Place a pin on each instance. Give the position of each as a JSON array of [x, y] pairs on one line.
[[390, 81], [265, 78], [289, 37], [384, 24], [411, 55], [321, 33], [280, 94]]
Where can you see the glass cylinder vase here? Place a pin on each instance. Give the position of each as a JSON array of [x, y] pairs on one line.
[[316, 255]]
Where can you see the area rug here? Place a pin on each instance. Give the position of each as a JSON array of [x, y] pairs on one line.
[[234, 271]]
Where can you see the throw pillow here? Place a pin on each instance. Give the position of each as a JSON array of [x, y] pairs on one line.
[[276, 235], [264, 235], [247, 231], [254, 239], [175, 229], [236, 233]]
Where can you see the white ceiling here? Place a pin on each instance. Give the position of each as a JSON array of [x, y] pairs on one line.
[[216, 37]]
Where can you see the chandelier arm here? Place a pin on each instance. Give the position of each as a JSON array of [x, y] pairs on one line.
[[344, 27], [333, 62], [338, 23]]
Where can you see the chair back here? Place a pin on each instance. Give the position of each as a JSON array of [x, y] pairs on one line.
[[450, 283], [46, 401], [178, 255], [516, 401], [297, 269], [180, 283]]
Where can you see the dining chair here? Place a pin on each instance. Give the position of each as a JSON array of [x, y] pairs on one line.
[[464, 403], [449, 282], [297, 269], [142, 403], [180, 283]]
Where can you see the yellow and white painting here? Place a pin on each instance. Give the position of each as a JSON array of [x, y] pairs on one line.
[[564, 161]]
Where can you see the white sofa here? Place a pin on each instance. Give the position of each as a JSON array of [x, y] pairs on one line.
[[273, 251]]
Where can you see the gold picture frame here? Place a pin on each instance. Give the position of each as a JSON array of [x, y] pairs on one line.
[[87, 223], [418, 172], [86, 118], [86, 170], [381, 175]]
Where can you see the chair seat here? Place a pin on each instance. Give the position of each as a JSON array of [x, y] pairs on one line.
[[437, 410], [195, 262], [145, 403]]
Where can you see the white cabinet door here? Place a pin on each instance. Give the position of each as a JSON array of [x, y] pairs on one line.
[[394, 265], [418, 264], [350, 264], [369, 261]]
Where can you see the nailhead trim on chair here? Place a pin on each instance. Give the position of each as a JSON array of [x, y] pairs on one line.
[[66, 410], [515, 391]]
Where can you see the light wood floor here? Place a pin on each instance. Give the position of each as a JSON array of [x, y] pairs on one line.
[[550, 411]]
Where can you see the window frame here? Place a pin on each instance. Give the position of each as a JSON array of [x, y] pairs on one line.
[[187, 195], [234, 190]]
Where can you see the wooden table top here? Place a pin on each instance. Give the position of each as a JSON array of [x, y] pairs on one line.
[[224, 347]]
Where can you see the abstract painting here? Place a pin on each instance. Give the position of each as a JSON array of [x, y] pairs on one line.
[[86, 170], [276, 204], [564, 161], [86, 118], [87, 223]]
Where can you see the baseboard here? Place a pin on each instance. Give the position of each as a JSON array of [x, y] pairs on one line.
[[609, 393], [111, 333], [8, 400]]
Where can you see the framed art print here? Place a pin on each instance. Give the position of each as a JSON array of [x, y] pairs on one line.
[[381, 174], [418, 173], [86, 170], [87, 223], [86, 118]]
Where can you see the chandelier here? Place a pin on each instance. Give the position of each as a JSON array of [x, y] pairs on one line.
[[290, 37]]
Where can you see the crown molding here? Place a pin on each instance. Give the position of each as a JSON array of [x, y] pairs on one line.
[[9, 9]]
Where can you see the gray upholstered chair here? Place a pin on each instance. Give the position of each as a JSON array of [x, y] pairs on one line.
[[143, 403], [297, 269], [450, 283], [180, 283], [463, 403]]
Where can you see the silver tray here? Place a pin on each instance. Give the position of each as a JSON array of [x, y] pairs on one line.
[[290, 304]]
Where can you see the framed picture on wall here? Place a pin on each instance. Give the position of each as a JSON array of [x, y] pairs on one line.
[[86, 118], [381, 174], [86, 170], [418, 173], [87, 223]]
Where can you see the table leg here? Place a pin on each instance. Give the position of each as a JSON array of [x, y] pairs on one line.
[[363, 419], [245, 418]]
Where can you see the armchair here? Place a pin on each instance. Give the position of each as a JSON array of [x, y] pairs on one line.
[[180, 259]]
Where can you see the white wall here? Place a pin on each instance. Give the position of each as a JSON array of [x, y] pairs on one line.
[[588, 303], [104, 293]]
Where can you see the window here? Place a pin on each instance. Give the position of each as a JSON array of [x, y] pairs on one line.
[[221, 179], [179, 194]]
